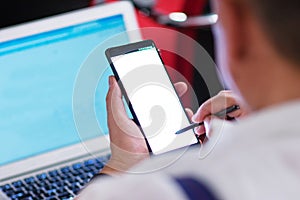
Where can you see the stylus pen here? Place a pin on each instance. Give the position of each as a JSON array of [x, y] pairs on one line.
[[220, 114]]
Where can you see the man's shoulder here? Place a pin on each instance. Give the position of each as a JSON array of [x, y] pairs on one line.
[[249, 160]]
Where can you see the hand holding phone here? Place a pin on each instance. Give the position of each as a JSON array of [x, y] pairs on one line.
[[151, 97]]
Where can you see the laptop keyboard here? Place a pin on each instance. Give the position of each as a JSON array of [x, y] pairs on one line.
[[63, 183]]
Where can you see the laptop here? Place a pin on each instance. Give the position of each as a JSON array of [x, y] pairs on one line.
[[53, 84]]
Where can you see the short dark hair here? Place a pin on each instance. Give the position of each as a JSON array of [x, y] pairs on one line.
[[281, 20]]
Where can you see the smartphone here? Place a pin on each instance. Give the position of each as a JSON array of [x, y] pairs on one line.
[[151, 97]]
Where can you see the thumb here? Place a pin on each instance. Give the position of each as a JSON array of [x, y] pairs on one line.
[[114, 103]]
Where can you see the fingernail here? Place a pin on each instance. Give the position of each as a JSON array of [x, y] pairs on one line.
[[194, 118]]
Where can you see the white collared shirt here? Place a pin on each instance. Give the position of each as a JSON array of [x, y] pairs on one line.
[[257, 158]]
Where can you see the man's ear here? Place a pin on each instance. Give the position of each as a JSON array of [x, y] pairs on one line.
[[233, 16]]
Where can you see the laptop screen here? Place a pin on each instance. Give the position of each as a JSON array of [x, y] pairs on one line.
[[37, 76]]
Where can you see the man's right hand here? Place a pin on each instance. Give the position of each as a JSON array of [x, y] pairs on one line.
[[223, 100]]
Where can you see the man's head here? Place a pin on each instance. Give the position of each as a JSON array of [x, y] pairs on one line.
[[258, 42], [280, 20]]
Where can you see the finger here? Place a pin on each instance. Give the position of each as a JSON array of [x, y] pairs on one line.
[[215, 104], [189, 112], [208, 126], [181, 88], [235, 114], [200, 130], [117, 118], [202, 112]]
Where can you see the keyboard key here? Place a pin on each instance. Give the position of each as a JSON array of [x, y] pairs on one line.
[[18, 184], [72, 179], [103, 159], [65, 169], [53, 173], [49, 187], [17, 191], [61, 190], [41, 176], [9, 193], [64, 195], [77, 172], [99, 165], [78, 180], [6, 187], [51, 198], [32, 186], [66, 183], [76, 191], [43, 183], [49, 193], [36, 195], [87, 169], [18, 195], [29, 180], [37, 191], [60, 184], [89, 162], [77, 166], [27, 198], [54, 179]]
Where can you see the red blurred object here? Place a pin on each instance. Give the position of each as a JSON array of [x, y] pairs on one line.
[[191, 8]]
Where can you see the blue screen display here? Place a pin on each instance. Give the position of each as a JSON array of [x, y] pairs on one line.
[[37, 76]]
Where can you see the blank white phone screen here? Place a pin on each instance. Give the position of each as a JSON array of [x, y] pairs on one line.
[[153, 99]]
